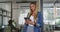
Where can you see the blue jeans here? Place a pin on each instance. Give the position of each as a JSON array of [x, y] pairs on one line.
[[30, 29]]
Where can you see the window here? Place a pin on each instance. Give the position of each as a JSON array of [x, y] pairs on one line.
[[4, 17], [5, 20]]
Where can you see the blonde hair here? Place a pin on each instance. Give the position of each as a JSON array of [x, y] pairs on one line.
[[36, 11]]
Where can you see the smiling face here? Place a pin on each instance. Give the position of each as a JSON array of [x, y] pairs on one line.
[[32, 7]]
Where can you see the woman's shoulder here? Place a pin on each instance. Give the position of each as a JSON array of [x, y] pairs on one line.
[[39, 13]]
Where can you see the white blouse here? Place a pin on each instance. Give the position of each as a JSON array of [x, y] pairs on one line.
[[32, 19]]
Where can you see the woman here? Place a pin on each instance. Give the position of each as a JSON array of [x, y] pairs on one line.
[[32, 22]]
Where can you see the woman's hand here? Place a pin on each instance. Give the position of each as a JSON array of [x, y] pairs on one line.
[[27, 21], [30, 22]]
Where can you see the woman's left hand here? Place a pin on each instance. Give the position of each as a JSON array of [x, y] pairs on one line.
[[30, 22]]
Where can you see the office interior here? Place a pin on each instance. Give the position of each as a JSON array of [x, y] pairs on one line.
[[16, 10]]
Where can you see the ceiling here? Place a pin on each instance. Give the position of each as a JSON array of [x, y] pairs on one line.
[[50, 1], [46, 3], [17, 0], [26, 0], [26, 5]]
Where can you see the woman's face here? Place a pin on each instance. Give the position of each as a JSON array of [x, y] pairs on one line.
[[32, 7]]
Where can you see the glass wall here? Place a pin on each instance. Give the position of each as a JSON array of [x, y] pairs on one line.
[[48, 14], [51, 15]]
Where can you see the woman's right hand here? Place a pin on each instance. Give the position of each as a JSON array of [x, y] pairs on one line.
[[26, 21]]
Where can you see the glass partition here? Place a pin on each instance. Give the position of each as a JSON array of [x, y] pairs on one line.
[[48, 15], [51, 15]]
